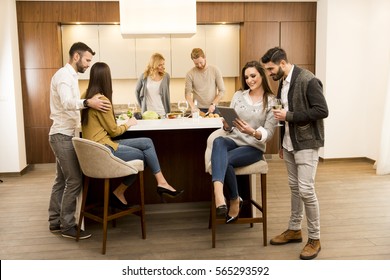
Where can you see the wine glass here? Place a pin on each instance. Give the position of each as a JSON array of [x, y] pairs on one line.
[[132, 107], [277, 105], [182, 105]]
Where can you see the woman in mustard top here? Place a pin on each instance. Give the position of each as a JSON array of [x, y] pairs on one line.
[[101, 127]]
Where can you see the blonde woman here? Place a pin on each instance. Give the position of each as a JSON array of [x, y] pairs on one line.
[[152, 89]]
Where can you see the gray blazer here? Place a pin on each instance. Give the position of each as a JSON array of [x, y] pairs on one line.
[[307, 109], [140, 91]]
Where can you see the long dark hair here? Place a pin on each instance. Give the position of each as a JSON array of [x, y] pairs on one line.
[[265, 83], [99, 82]]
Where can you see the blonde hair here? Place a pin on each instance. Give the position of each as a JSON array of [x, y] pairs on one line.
[[196, 53], [154, 61]]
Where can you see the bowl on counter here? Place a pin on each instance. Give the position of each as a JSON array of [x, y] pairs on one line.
[[174, 115]]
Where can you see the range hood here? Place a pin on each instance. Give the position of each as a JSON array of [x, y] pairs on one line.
[[157, 18]]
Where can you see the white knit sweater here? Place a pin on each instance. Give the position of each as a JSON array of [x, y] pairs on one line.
[[256, 117]]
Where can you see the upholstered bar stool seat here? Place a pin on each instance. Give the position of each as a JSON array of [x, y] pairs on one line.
[[97, 161], [259, 167]]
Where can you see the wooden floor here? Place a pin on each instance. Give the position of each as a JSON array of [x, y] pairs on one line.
[[355, 222]]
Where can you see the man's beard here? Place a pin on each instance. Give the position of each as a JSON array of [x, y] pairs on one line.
[[80, 67], [278, 75]]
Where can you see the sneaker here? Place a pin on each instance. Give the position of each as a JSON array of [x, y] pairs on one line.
[[72, 233], [55, 228], [289, 236], [311, 250]]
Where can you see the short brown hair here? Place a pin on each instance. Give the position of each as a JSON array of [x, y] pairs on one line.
[[196, 53], [80, 47]]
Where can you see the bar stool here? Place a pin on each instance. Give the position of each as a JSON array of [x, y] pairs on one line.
[[260, 167], [97, 161]]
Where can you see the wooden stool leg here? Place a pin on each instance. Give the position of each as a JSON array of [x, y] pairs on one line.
[[213, 219], [83, 201], [142, 203], [264, 206], [105, 212], [252, 185]]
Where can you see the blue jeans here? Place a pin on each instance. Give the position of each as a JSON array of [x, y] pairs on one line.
[[301, 170], [227, 155], [137, 148], [67, 184]]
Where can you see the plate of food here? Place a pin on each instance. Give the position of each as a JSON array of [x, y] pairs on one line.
[[174, 115]]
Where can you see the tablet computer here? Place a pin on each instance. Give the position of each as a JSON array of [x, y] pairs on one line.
[[229, 114]]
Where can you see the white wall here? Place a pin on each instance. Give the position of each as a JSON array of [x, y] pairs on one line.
[[352, 60], [12, 143]]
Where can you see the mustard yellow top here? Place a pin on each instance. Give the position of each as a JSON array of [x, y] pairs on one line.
[[102, 127]]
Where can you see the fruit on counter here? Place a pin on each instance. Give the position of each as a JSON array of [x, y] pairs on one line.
[[123, 117], [129, 114], [150, 115], [211, 115]]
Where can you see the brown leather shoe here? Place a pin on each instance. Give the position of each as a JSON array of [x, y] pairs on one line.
[[289, 236], [311, 250]]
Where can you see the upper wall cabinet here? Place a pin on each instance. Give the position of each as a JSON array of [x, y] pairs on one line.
[[146, 47], [182, 47], [128, 58], [117, 52], [223, 48], [107, 42], [221, 43], [87, 34]]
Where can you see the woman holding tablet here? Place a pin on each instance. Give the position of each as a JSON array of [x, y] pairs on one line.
[[245, 142]]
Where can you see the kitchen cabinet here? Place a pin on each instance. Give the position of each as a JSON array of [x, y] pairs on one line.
[[223, 48], [300, 54], [182, 47], [117, 52], [144, 48], [107, 42], [88, 34], [128, 58], [221, 43]]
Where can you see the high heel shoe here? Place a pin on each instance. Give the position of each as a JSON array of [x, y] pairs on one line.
[[117, 203], [221, 211], [163, 191], [229, 219]]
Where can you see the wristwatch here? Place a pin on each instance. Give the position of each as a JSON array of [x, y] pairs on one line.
[[85, 103], [254, 133]]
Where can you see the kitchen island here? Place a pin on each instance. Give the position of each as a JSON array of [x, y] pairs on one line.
[[180, 145]]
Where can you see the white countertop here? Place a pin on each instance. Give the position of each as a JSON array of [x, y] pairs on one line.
[[169, 124]]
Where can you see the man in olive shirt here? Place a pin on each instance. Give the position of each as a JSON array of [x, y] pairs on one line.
[[204, 83]]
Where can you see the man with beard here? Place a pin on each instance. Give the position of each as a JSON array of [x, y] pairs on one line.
[[65, 106], [203, 83], [304, 108]]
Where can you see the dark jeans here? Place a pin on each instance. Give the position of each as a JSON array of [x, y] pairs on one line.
[[226, 156]]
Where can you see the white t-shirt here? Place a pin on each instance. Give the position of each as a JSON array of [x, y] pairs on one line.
[[153, 97]]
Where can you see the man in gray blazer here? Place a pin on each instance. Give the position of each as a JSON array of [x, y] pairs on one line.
[[304, 108]]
